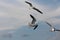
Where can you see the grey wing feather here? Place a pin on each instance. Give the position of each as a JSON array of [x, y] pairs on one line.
[[37, 10], [34, 20], [28, 3], [49, 24]]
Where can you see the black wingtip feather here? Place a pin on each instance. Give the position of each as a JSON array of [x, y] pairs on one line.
[[35, 27], [37, 10], [28, 3]]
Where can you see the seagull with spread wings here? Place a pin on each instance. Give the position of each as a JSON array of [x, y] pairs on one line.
[[33, 7], [33, 23], [53, 29]]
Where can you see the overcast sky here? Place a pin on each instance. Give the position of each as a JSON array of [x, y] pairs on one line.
[[15, 13]]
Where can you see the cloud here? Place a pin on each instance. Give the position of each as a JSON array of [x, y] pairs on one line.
[[54, 12], [8, 23], [21, 11], [8, 12], [53, 16], [13, 15]]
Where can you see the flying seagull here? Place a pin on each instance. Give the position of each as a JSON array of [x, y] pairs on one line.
[[33, 7], [33, 23], [53, 29]]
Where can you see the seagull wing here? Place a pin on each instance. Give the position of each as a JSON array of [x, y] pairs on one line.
[[34, 20], [57, 29], [37, 10], [35, 27], [49, 24], [33, 7], [28, 3]]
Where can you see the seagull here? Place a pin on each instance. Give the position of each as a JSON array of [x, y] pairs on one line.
[[33, 23], [53, 29], [33, 7]]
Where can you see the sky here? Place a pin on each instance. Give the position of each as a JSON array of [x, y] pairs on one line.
[[14, 16]]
